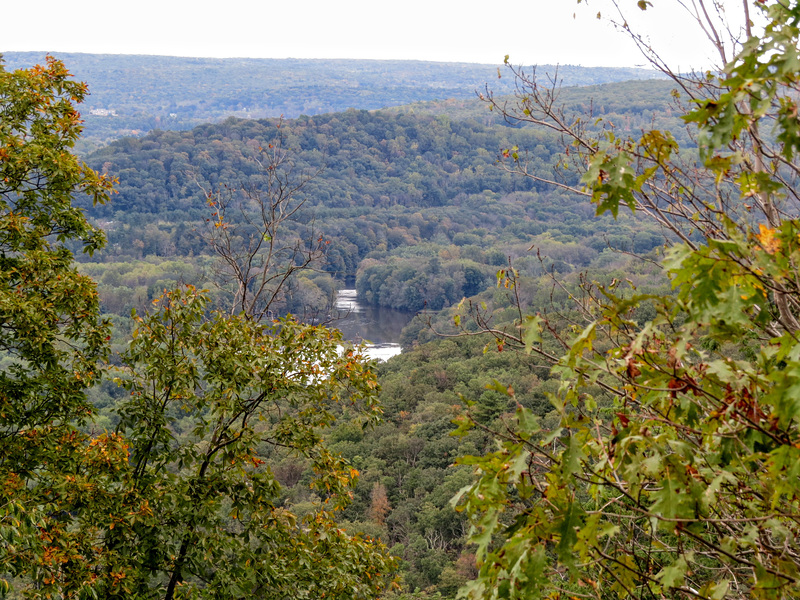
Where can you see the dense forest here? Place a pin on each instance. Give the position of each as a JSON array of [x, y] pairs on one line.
[[132, 95], [596, 398], [420, 211], [416, 206]]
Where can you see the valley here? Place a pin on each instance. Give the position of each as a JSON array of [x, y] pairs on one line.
[[576, 289], [418, 208]]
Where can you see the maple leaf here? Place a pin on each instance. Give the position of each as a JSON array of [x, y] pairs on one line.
[[767, 239]]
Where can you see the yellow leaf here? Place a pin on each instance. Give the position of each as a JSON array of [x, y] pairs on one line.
[[766, 238]]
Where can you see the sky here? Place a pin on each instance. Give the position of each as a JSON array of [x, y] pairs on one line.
[[531, 32]]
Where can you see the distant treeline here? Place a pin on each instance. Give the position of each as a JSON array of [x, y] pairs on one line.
[[413, 202], [132, 94]]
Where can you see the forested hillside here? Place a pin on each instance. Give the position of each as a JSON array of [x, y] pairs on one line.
[[415, 206], [597, 399], [131, 95], [420, 211], [414, 203]]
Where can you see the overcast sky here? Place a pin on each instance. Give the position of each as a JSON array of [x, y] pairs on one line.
[[533, 31]]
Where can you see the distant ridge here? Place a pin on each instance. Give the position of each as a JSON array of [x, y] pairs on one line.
[[133, 94]]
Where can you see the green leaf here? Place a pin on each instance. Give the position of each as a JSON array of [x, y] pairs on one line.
[[532, 332], [672, 575], [568, 533], [668, 499]]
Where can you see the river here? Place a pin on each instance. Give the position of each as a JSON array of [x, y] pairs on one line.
[[379, 327]]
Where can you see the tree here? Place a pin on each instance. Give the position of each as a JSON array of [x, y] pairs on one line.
[[179, 501], [379, 505], [214, 400], [51, 332], [256, 232], [673, 469]]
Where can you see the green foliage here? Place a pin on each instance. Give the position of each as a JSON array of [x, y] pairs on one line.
[[672, 469], [412, 285], [181, 500], [415, 199], [213, 401], [132, 95], [410, 455], [398, 190], [52, 335]]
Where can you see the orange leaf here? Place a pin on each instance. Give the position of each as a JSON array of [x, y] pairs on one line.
[[767, 239]]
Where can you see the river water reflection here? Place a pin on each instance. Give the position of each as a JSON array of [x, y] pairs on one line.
[[380, 327]]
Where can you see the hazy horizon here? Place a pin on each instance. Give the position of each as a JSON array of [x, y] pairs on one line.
[[541, 32]]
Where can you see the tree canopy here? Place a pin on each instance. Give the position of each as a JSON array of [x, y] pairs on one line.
[[180, 500], [134, 94], [52, 336], [672, 470]]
